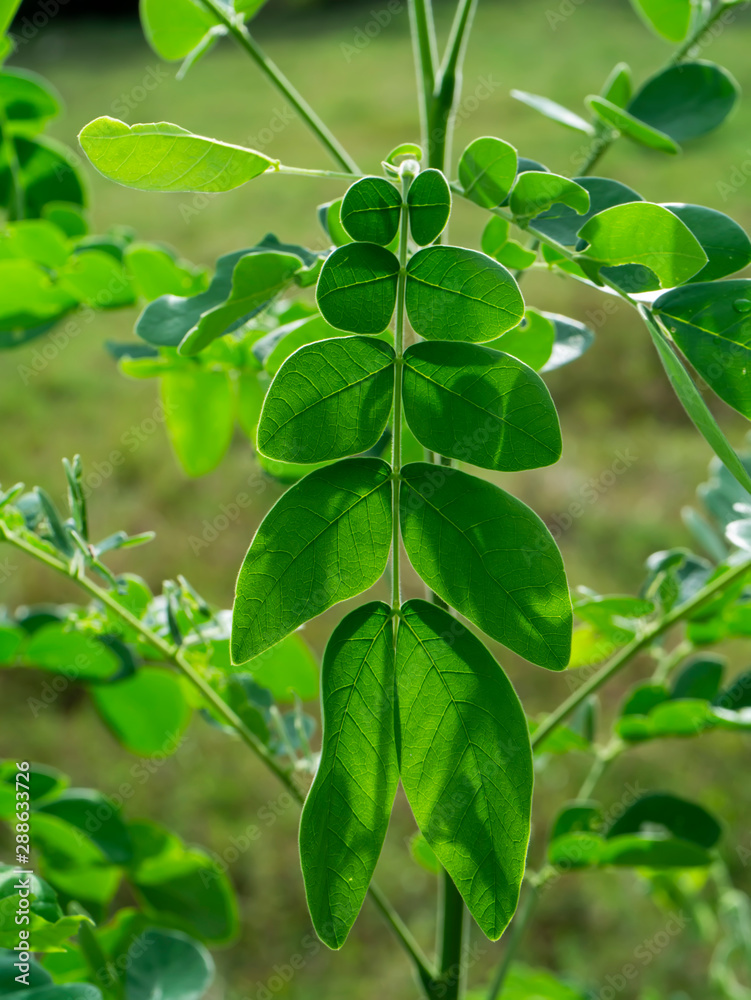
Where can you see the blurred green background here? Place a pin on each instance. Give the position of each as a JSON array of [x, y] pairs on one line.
[[614, 402]]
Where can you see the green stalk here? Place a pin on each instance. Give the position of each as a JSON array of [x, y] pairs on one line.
[[696, 36], [452, 925], [448, 87], [14, 168], [426, 59], [244, 39], [637, 645], [175, 655]]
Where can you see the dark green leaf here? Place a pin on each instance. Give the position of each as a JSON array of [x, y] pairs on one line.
[[347, 812], [458, 294], [328, 400], [429, 201], [489, 556], [256, 281], [465, 760], [479, 406], [693, 403], [487, 170], [47, 173], [27, 102], [163, 157], [711, 324], [357, 288], [726, 245], [371, 210], [686, 100], [700, 678], [685, 820], [167, 965], [562, 223], [327, 539]]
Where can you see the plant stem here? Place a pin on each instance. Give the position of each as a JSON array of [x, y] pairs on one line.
[[448, 87], [242, 36], [669, 661], [519, 925], [426, 58], [14, 169], [426, 973], [601, 763], [450, 938], [396, 439], [698, 33], [636, 646], [306, 172]]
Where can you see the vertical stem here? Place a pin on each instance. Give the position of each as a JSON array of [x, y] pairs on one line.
[[426, 59], [448, 87], [14, 168], [451, 938], [408, 170]]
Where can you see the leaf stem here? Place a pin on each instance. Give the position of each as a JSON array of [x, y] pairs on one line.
[[14, 169], [426, 973], [242, 36], [698, 33], [306, 172], [637, 645]]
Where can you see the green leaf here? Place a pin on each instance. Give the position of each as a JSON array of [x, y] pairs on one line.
[[346, 814], [618, 88], [694, 405], [700, 677], [70, 219], [274, 349], [643, 852], [167, 320], [46, 173], [199, 415], [147, 712], [357, 288], [479, 406], [424, 854], [371, 210], [96, 279], [711, 324], [490, 557], [562, 223], [182, 887], [8, 10], [458, 294], [94, 817], [27, 102], [157, 272], [256, 281], [630, 126], [68, 651], [288, 670], [487, 170], [669, 18], [531, 341], [646, 234], [173, 28], [495, 236], [28, 297], [329, 215], [683, 717], [35, 239], [536, 190], [523, 983], [514, 256], [325, 540], [167, 965], [429, 201], [328, 400], [686, 100], [556, 112], [572, 339], [683, 819], [38, 975], [465, 760], [725, 243], [164, 157]]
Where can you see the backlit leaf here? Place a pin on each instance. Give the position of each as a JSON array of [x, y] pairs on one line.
[[357, 288]]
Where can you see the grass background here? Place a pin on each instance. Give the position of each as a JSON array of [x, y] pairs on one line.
[[614, 402]]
